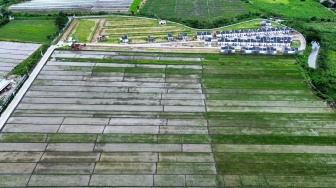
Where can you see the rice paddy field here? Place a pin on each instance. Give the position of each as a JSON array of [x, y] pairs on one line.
[[220, 9], [153, 120], [195, 9], [35, 31], [12, 54]]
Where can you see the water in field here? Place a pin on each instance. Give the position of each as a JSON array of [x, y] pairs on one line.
[[313, 55]]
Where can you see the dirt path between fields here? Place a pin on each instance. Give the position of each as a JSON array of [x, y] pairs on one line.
[[68, 31], [100, 27]]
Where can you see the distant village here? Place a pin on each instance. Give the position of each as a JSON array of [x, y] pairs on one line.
[[265, 41]]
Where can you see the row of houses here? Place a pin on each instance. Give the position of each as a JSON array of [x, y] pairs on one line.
[[258, 50], [257, 41], [253, 32]]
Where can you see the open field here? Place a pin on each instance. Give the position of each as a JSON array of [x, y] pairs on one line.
[[11, 54], [74, 5], [293, 9], [84, 30], [195, 9], [35, 31], [138, 29], [224, 9], [134, 121]]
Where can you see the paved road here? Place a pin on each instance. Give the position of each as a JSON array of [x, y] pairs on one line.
[[25, 87]]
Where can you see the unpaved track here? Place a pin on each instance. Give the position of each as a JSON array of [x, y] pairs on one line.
[[68, 31], [98, 31]]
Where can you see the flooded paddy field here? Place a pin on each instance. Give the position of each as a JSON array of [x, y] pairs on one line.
[[90, 121], [12, 54]]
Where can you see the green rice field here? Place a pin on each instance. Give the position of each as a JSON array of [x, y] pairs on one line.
[[117, 119], [211, 10], [35, 31]]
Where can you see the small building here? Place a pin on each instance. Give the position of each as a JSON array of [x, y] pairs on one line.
[[179, 37], [227, 50], [71, 40], [207, 35], [199, 35], [124, 39], [250, 50], [162, 22], [271, 51], [265, 23], [207, 42], [185, 36], [102, 38], [150, 39], [4, 84], [170, 37], [217, 34], [290, 51]]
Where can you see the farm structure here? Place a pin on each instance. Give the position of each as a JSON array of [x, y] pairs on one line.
[[73, 5], [12, 54], [231, 122]]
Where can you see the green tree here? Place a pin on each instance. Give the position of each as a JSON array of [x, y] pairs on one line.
[[61, 20]]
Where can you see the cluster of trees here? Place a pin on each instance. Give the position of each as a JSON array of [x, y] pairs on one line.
[[4, 16], [61, 20], [323, 78]]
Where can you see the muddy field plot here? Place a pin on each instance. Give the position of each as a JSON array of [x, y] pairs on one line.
[[150, 123], [12, 54]]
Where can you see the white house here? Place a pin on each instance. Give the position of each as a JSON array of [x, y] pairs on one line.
[[124, 39], [185, 36], [170, 37], [162, 22], [207, 42], [227, 50]]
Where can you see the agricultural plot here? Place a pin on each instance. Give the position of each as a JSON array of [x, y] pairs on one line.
[[195, 9], [76, 5], [84, 30], [11, 54], [134, 122], [138, 29], [35, 31], [293, 9]]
